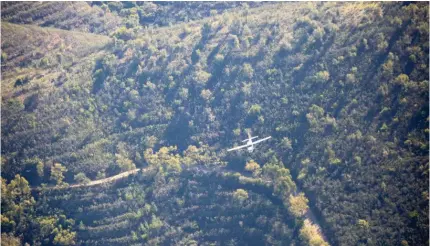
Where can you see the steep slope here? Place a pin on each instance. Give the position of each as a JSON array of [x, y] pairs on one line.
[[78, 16], [107, 17], [341, 87], [40, 52]]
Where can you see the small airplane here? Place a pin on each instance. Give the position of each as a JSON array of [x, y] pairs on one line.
[[249, 143]]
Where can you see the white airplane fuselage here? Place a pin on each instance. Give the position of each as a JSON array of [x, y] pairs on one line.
[[251, 146]]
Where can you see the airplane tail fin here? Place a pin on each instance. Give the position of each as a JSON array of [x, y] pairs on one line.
[[249, 139]]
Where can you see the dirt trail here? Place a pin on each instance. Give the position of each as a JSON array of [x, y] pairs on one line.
[[107, 180], [309, 214], [95, 182]]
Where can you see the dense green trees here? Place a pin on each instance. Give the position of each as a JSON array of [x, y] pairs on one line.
[[194, 207], [21, 224], [17, 205], [169, 157], [341, 88]]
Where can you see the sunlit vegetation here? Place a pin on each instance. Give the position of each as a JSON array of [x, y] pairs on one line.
[[21, 223], [189, 206], [93, 90], [310, 235]]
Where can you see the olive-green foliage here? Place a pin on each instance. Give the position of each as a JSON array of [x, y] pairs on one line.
[[8, 239], [19, 214], [240, 195], [122, 158], [172, 210], [3, 56], [57, 173], [253, 167], [165, 156], [345, 85], [298, 205], [81, 178], [255, 109], [283, 182], [64, 237], [201, 77], [286, 143], [322, 76], [248, 71], [169, 158], [310, 235]]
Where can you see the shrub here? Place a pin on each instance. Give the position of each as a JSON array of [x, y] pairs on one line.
[[21, 81], [247, 71], [240, 195], [255, 109], [81, 178], [298, 205]]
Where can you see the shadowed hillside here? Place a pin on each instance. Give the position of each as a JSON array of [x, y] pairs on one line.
[[342, 88]]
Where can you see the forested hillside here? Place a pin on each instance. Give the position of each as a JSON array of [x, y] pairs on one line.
[[93, 90]]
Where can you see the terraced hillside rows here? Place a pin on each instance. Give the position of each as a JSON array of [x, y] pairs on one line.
[[78, 16], [186, 209], [342, 88], [106, 17]]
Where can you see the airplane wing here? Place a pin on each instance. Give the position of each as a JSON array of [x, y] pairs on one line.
[[261, 140], [238, 147]]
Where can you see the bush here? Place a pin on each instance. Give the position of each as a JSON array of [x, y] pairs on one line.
[[3, 57], [255, 109], [21, 81], [201, 77], [322, 76], [124, 33], [298, 205], [247, 71], [81, 178], [240, 195]]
